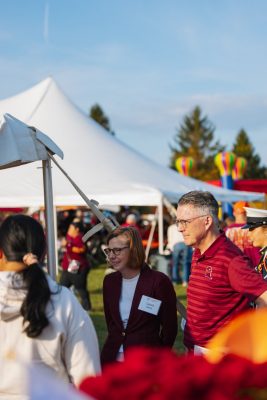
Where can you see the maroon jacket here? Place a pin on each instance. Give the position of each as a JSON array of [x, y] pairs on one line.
[[143, 328]]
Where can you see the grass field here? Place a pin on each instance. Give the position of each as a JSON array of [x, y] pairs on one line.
[[95, 280]]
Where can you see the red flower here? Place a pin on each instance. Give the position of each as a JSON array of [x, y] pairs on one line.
[[159, 374]]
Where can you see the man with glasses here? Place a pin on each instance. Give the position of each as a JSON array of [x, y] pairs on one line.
[[222, 281]]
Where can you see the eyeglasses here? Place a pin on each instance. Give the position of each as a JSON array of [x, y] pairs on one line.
[[116, 250], [184, 222]]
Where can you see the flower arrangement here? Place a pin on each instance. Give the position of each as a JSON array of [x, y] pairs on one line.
[[160, 374], [235, 368]]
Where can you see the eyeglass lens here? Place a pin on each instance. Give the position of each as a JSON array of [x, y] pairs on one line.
[[185, 222], [116, 251], [182, 222]]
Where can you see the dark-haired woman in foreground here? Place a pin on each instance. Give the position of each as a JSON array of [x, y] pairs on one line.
[[40, 322], [139, 303]]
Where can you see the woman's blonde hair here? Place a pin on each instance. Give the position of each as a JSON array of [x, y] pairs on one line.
[[137, 252]]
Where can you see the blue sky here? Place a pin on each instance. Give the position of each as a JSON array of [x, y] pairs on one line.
[[146, 62]]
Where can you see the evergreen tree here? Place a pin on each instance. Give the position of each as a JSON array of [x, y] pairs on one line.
[[99, 116], [194, 138], [244, 148]]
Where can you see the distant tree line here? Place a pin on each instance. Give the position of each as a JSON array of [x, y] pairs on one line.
[[195, 138]]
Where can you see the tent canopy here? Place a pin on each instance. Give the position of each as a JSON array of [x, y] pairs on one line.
[[103, 167], [21, 144]]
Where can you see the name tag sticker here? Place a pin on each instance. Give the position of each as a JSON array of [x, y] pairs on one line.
[[149, 305]]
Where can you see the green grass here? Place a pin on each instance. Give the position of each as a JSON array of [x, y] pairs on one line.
[[95, 280]]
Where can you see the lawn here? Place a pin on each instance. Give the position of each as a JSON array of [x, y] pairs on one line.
[[95, 279]]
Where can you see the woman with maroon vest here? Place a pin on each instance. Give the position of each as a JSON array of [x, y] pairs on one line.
[[139, 303]]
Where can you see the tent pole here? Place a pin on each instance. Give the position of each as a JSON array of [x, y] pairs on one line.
[[49, 218], [151, 234], [160, 226], [171, 209], [55, 237]]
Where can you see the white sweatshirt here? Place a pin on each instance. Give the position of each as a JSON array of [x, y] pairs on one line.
[[68, 346]]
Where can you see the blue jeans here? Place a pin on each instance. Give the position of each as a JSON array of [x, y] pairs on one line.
[[181, 262]]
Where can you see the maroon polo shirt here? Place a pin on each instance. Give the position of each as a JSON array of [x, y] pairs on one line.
[[222, 284]]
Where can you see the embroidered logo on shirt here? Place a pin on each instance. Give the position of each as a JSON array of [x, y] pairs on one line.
[[208, 272]]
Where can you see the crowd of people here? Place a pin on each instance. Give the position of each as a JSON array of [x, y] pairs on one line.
[[42, 322]]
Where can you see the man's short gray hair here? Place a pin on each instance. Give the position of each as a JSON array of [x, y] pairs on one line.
[[202, 200]]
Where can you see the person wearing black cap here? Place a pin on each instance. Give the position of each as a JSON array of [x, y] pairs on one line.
[[257, 226]]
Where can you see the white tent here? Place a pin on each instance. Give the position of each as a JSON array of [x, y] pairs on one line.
[[104, 168], [20, 145]]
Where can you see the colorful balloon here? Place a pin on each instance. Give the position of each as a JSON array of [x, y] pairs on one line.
[[225, 161], [239, 168], [184, 165]]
